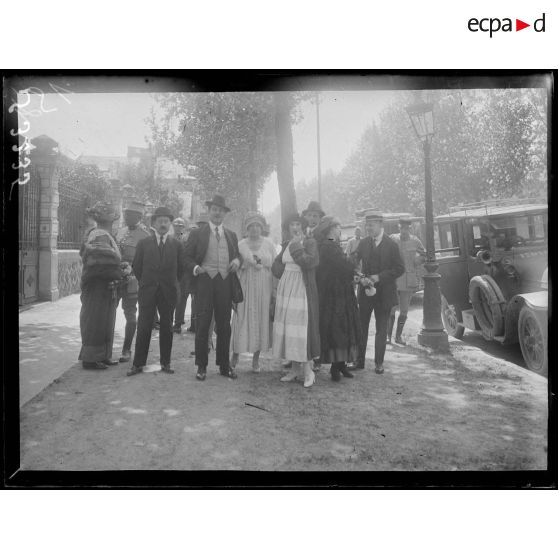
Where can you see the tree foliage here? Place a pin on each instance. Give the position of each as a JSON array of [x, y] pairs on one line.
[[229, 137], [487, 144], [87, 179]]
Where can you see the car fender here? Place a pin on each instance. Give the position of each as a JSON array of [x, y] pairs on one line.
[[537, 301]]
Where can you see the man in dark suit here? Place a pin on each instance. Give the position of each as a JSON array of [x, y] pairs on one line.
[[212, 256], [377, 292], [158, 266]]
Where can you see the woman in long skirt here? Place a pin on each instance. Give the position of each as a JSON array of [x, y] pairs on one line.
[[340, 329], [296, 335], [251, 331], [101, 272]]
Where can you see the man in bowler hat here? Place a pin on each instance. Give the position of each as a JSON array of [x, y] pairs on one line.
[[158, 266], [212, 256], [381, 265]]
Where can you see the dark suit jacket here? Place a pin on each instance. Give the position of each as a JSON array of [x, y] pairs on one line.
[[152, 271], [196, 247], [384, 261]]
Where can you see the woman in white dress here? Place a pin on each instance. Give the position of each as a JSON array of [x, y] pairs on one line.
[[251, 330], [296, 334]]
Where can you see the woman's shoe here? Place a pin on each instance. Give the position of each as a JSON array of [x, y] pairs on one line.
[[309, 376], [293, 374], [345, 372], [94, 365], [335, 373]]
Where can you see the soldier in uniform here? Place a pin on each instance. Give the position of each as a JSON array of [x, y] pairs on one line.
[[181, 233], [127, 239], [413, 254]]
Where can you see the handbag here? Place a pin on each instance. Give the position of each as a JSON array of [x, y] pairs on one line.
[[236, 288]]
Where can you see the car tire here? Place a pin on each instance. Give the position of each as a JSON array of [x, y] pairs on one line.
[[451, 318], [489, 305], [533, 340]]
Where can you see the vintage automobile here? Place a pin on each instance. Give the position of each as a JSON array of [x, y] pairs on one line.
[[493, 261]]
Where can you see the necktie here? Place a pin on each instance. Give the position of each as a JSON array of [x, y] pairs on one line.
[[217, 235], [161, 246]]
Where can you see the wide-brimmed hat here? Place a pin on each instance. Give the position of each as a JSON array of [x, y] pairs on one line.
[[324, 226], [254, 217], [314, 206], [103, 212], [162, 212], [219, 201], [291, 217], [135, 206]]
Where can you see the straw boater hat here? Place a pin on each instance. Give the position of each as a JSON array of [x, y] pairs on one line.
[[314, 206], [254, 217], [373, 215], [135, 206], [324, 226], [294, 217], [103, 212], [162, 212], [219, 201]]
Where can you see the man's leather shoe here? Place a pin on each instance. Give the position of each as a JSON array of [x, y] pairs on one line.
[[288, 364], [345, 372], [400, 341], [356, 366], [379, 369], [335, 374], [126, 356], [228, 372], [167, 369], [110, 362], [134, 370], [201, 373], [94, 365]]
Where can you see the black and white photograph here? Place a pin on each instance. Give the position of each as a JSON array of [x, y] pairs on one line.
[[280, 273]]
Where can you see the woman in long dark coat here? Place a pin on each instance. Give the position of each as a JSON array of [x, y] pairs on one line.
[[296, 334], [340, 329], [101, 272]]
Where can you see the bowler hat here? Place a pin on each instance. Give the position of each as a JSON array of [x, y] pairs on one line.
[[219, 201], [314, 206], [162, 212], [135, 206]]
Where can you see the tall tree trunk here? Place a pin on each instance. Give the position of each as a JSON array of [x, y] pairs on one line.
[[284, 139]]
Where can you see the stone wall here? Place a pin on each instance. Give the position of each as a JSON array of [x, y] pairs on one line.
[[69, 272]]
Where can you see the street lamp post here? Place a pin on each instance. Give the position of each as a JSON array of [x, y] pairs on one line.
[[432, 333]]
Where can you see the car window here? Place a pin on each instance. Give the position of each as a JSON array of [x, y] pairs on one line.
[[446, 240], [519, 230]]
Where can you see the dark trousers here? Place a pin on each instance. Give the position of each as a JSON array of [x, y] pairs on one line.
[[213, 296], [147, 309], [367, 305], [181, 305], [130, 308]]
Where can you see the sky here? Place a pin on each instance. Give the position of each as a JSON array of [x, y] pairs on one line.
[[107, 123]]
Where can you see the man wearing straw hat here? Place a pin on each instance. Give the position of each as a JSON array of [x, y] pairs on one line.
[[381, 265], [212, 257]]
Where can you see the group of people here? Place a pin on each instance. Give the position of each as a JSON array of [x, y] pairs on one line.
[[298, 301]]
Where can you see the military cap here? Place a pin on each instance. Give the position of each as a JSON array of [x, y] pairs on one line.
[[373, 215], [135, 206]]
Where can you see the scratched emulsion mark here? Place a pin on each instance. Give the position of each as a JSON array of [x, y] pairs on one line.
[[132, 411], [28, 360], [115, 402], [204, 426], [31, 444], [171, 412]]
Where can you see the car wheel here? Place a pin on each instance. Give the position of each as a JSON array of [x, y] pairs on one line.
[[488, 303], [451, 317], [533, 341]]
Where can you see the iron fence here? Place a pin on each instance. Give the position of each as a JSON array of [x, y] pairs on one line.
[[29, 200], [71, 216]]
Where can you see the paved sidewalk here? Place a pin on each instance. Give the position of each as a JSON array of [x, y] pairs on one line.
[[463, 411]]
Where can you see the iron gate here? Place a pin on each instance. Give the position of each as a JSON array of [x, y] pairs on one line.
[[29, 216]]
